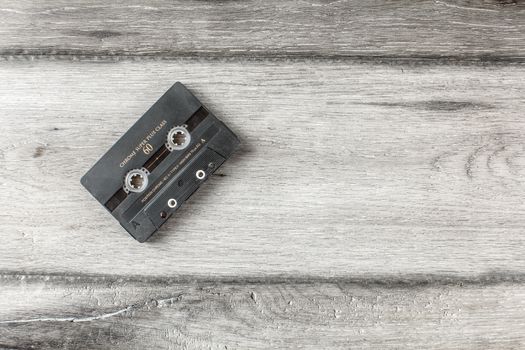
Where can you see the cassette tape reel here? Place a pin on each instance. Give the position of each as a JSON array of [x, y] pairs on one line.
[[160, 162]]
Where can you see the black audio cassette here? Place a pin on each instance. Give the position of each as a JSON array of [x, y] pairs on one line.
[[160, 162]]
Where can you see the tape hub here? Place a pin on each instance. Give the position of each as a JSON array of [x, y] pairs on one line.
[[178, 138], [136, 180]]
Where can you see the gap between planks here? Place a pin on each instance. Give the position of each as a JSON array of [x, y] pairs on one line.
[[384, 281], [282, 57]]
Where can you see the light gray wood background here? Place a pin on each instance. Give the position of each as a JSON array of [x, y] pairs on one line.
[[376, 201]]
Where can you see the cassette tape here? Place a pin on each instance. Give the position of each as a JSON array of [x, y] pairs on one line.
[[160, 162]]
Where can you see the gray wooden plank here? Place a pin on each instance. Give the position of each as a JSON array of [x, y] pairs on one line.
[[47, 312], [465, 29], [345, 169]]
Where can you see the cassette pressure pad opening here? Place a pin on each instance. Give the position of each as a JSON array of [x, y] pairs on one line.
[[160, 162]]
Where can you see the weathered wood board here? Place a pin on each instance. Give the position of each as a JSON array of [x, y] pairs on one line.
[[479, 30], [108, 313], [345, 169]]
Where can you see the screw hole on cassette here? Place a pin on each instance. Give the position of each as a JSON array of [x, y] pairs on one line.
[[163, 214], [178, 138]]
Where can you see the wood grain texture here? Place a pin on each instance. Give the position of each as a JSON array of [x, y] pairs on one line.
[[376, 201], [491, 30], [47, 312], [345, 169]]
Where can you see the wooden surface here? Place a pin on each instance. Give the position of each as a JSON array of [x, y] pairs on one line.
[[428, 29], [147, 313], [395, 218], [345, 169]]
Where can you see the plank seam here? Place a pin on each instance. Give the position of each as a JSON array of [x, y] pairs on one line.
[[106, 56], [409, 280]]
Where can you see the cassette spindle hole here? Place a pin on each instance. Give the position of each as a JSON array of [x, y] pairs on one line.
[[178, 138], [172, 203], [136, 180], [200, 174]]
